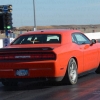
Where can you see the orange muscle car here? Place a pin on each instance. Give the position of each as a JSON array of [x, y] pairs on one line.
[[55, 55]]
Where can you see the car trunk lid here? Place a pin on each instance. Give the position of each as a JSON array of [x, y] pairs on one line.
[[28, 53]]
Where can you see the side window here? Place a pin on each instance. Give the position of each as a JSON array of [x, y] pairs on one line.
[[49, 37], [82, 39], [74, 39], [29, 38]]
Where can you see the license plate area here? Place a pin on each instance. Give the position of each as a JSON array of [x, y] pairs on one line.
[[22, 72]]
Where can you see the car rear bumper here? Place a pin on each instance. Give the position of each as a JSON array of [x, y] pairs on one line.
[[37, 69], [41, 79]]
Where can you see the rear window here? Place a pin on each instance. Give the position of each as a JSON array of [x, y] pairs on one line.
[[38, 39]]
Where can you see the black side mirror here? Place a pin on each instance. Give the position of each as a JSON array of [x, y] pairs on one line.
[[93, 41]]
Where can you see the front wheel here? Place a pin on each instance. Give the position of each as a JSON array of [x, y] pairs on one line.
[[71, 75]]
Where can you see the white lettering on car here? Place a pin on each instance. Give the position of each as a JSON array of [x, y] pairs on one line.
[[22, 56]]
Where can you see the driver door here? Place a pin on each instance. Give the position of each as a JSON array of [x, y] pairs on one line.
[[90, 52]]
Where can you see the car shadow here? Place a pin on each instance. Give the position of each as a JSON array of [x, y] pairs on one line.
[[31, 86], [46, 84]]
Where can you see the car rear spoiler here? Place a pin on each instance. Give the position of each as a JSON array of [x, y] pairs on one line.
[[25, 49]]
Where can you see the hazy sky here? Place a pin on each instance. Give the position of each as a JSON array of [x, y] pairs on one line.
[[54, 12]]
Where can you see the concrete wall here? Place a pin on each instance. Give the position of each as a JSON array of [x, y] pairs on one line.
[[5, 41], [95, 35]]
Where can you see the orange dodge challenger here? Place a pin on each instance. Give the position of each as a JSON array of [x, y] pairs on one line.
[[55, 55]]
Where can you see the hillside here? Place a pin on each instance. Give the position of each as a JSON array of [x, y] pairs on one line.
[[83, 28]]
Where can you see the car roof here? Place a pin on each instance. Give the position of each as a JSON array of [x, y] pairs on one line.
[[65, 34], [51, 31]]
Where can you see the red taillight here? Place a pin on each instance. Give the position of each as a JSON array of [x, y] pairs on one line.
[[48, 56], [43, 56], [1, 57], [6, 57], [11, 57], [35, 56]]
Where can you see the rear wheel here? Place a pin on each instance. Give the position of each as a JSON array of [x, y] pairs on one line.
[[71, 75]]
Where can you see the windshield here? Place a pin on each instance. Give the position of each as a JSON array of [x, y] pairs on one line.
[[38, 39]]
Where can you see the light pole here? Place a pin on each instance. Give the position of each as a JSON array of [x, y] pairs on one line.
[[34, 15]]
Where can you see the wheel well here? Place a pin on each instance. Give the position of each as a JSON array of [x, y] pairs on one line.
[[64, 78], [76, 61]]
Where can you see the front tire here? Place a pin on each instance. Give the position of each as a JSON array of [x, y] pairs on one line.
[[71, 75]]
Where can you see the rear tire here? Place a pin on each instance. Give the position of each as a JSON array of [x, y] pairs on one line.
[[71, 75], [98, 70]]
